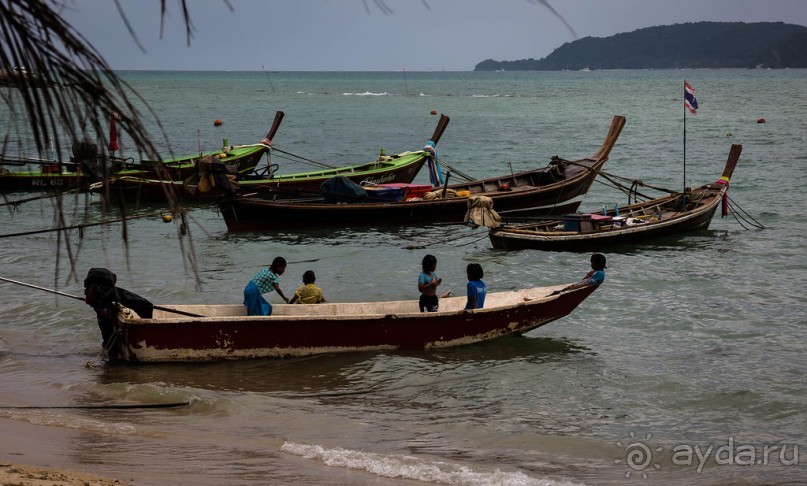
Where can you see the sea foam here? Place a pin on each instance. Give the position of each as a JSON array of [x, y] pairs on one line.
[[410, 467]]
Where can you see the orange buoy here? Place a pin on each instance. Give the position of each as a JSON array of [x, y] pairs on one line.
[[434, 112], [761, 120], [217, 122], [167, 218]]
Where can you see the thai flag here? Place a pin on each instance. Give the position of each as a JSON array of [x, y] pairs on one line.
[[689, 98]]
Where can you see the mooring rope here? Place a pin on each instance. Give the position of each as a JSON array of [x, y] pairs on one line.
[[298, 157], [743, 215], [81, 227], [17, 202], [425, 245], [117, 406], [632, 190], [105, 351]]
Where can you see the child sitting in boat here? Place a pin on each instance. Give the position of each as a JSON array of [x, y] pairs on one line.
[[267, 280], [476, 288], [595, 277], [597, 274], [308, 293], [428, 281]]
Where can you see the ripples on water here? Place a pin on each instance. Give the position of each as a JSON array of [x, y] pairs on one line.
[[692, 340]]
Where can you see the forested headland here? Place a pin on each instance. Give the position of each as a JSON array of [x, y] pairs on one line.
[[691, 45]]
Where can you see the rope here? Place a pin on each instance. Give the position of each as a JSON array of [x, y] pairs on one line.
[[81, 227], [261, 144], [633, 189], [17, 202], [638, 182], [104, 351], [459, 173], [734, 215], [474, 241], [744, 215], [120, 406], [298, 157], [425, 245]]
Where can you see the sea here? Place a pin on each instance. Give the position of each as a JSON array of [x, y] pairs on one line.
[[686, 366]]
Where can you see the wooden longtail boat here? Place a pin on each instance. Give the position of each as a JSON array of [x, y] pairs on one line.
[[73, 175], [556, 189], [396, 168], [630, 224], [52, 176], [225, 332]]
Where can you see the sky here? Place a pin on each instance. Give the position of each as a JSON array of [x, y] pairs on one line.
[[379, 35]]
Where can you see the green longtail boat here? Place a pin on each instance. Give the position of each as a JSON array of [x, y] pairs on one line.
[[87, 167], [395, 168]]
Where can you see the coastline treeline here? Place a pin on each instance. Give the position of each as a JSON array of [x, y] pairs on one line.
[[700, 45]]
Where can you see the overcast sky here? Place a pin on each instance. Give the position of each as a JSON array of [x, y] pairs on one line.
[[356, 35]]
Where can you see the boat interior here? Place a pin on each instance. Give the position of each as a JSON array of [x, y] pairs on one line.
[[383, 162], [523, 181], [448, 305], [661, 209]]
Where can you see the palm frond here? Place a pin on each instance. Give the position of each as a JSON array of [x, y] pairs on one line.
[[66, 89]]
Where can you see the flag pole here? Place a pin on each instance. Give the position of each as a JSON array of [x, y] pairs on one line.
[[684, 191]]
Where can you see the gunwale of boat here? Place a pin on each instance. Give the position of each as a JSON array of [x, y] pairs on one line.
[[367, 167]]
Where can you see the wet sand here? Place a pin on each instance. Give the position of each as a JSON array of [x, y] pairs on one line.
[[34, 455]]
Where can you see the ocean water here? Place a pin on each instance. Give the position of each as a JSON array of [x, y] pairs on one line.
[[686, 366]]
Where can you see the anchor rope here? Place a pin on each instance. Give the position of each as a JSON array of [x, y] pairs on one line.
[[743, 215]]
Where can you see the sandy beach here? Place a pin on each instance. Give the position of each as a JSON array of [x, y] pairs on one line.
[[14, 474]]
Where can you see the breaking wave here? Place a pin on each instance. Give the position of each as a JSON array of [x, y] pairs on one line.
[[410, 467]]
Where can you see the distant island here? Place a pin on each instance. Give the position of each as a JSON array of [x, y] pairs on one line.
[[691, 45]]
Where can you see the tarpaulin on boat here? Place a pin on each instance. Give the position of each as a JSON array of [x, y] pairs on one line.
[[342, 189]]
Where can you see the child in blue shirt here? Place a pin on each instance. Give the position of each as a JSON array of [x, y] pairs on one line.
[[428, 281], [595, 277], [267, 280], [476, 287], [597, 274]]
